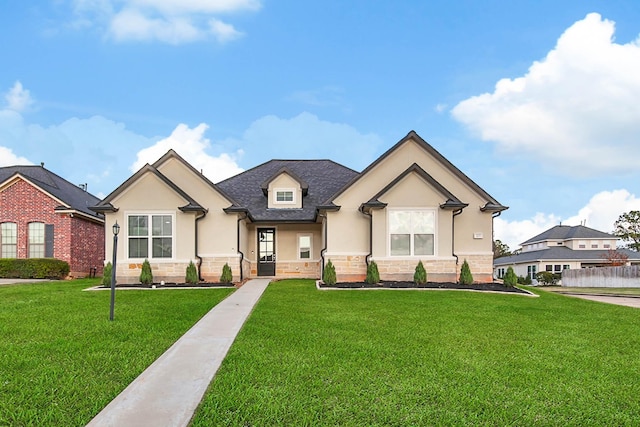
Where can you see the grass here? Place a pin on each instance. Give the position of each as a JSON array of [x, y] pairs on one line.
[[402, 358], [62, 360]]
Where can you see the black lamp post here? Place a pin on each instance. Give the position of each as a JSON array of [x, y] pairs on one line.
[[116, 230]]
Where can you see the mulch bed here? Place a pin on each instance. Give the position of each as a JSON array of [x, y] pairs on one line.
[[493, 287], [174, 285]]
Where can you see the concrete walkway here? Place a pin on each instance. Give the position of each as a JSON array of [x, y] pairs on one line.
[[629, 301], [168, 392]]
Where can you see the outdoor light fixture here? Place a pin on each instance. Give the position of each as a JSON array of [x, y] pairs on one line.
[[116, 230]]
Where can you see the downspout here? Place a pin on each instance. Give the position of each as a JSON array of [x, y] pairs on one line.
[[198, 218], [453, 234], [324, 249], [238, 244], [366, 259]]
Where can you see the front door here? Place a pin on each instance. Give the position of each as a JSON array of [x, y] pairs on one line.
[[266, 251]]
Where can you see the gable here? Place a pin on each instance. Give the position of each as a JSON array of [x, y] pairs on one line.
[[149, 192], [284, 192], [412, 149], [199, 187]]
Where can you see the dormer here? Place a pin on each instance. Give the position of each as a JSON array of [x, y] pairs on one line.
[[284, 190]]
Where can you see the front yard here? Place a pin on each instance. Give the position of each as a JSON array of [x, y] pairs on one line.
[[308, 357], [398, 358], [62, 361]]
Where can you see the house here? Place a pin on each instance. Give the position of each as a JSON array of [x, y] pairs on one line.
[[560, 248], [287, 218], [45, 216]]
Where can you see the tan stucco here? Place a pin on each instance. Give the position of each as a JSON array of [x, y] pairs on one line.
[[284, 181], [472, 230]]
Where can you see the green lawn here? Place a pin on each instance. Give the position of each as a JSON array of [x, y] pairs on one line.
[[62, 360], [401, 358]]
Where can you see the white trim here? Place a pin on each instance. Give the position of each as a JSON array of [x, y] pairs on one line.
[[327, 254], [298, 236], [435, 232], [150, 214], [284, 190]]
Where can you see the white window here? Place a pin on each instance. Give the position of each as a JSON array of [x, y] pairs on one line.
[[594, 244], [285, 196], [150, 235], [304, 246], [36, 240], [8, 239], [582, 244], [531, 271], [411, 232]]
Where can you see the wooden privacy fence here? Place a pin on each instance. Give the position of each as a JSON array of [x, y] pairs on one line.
[[603, 277]]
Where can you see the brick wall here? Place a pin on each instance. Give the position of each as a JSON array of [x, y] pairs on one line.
[[76, 241]]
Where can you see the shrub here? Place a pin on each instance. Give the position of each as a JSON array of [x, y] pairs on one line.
[[329, 274], [420, 276], [226, 276], [465, 274], [34, 268], [524, 280], [192, 274], [106, 275], [372, 273], [547, 278], [510, 278], [146, 276]]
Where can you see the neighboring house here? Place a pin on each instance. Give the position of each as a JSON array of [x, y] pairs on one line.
[[44, 216], [560, 248], [287, 218]]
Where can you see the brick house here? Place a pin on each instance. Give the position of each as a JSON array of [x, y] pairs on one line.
[[44, 216], [287, 218]]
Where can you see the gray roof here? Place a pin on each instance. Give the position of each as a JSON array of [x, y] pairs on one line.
[[567, 232], [322, 177], [74, 197], [562, 253]]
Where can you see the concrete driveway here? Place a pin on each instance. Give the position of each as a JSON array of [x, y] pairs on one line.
[[610, 299]]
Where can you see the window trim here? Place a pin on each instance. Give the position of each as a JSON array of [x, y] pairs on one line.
[[149, 236], [412, 254], [298, 236], [15, 240], [284, 191], [41, 246]]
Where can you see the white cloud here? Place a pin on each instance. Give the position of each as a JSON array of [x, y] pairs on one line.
[[18, 98], [168, 21], [8, 158], [602, 210], [576, 110], [191, 145]]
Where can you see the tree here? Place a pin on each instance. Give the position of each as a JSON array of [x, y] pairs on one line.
[[227, 275], [329, 274], [420, 275], [500, 249], [510, 279], [146, 276], [191, 275], [615, 258], [465, 274], [373, 276], [627, 228]]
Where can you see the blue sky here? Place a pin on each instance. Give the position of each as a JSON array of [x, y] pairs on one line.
[[537, 101]]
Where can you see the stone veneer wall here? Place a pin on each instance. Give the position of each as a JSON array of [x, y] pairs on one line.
[[353, 268], [290, 269], [481, 266], [211, 270]]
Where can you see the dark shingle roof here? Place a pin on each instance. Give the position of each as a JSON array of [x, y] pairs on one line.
[[75, 197], [562, 253], [566, 232], [323, 178]]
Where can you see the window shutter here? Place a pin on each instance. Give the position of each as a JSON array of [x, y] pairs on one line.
[[48, 241]]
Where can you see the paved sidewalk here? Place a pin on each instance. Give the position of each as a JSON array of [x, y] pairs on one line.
[[168, 392], [629, 301]]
